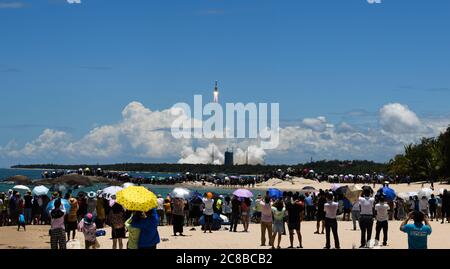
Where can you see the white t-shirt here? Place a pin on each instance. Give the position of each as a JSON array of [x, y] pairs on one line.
[[366, 205], [382, 211], [330, 209], [356, 206], [160, 204], [208, 210], [423, 204]]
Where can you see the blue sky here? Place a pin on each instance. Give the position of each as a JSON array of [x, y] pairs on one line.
[[73, 67]]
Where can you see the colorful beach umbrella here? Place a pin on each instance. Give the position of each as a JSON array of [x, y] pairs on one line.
[[136, 198], [388, 193], [40, 190], [275, 193], [182, 193], [353, 193], [243, 193], [64, 203]]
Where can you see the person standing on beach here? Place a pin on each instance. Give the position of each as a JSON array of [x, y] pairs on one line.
[[310, 208], [57, 235], [88, 228], [72, 220], [321, 212], [235, 213], [117, 219], [366, 218], [3, 211], [279, 213], [423, 205], [133, 233], [432, 204], [295, 212], [418, 231], [382, 209], [178, 216], [347, 208], [445, 206], [226, 207], [331, 208], [160, 209], [28, 206], [13, 210], [21, 222], [245, 213], [101, 212], [168, 210], [208, 211], [266, 220], [356, 213], [148, 225], [257, 208]]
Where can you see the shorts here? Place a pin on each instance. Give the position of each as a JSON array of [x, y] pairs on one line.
[[118, 233], [347, 210], [71, 225], [294, 225], [278, 227]]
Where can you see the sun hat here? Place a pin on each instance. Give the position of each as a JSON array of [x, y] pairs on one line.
[[91, 194], [72, 201]]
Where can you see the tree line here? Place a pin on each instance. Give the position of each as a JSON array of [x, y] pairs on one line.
[[324, 166], [428, 159]]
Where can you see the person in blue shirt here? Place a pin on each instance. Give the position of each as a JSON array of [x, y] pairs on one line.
[[418, 231], [148, 224]]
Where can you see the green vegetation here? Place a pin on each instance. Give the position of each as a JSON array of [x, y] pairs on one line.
[[327, 167], [428, 159]]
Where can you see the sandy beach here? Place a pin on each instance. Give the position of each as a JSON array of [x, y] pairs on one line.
[[296, 184], [36, 237]]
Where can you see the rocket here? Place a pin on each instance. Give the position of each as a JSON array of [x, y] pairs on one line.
[[216, 93]]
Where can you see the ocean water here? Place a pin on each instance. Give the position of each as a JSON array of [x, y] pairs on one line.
[[35, 174]]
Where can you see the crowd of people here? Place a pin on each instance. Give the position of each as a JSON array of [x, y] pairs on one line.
[[90, 212]]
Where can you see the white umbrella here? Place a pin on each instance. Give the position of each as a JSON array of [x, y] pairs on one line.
[[335, 186], [21, 188], [110, 191], [127, 184], [403, 195], [427, 192], [412, 194], [40, 190], [181, 193]]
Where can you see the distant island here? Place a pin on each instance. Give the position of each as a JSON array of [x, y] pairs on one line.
[[324, 166]]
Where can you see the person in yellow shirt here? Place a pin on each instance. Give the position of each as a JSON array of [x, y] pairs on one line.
[[168, 210]]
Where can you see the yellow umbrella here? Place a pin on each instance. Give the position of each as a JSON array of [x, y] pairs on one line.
[[136, 198]]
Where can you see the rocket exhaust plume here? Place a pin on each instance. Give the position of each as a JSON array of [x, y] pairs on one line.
[[216, 93]]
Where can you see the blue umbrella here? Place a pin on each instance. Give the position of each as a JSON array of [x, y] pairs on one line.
[[275, 193], [64, 204], [388, 193]]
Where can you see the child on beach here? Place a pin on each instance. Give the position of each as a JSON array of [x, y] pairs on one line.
[[133, 233], [88, 228], [116, 216], [21, 222], [279, 212]]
